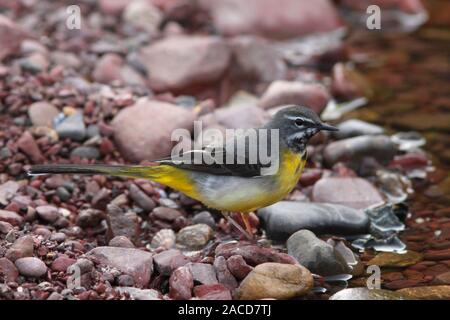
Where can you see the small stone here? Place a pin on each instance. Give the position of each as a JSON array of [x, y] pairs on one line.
[[212, 292], [204, 217], [194, 237], [427, 292], [223, 274], [281, 93], [284, 218], [443, 278], [28, 145], [125, 280], [58, 237], [84, 152], [141, 199], [276, 281], [121, 241], [31, 267], [352, 192], [348, 83], [355, 127], [42, 113], [181, 284], [166, 214], [393, 259], [90, 218], [22, 247], [55, 296], [143, 15], [238, 267], [61, 263], [203, 273], [11, 217], [315, 254], [164, 238], [368, 294], [72, 127], [140, 294], [8, 270], [135, 262], [63, 194], [5, 227], [167, 261], [122, 223], [7, 191], [48, 213]]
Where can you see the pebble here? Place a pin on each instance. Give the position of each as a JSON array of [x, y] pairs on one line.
[[31, 267], [181, 283], [42, 113], [55, 296], [58, 237], [125, 280], [61, 263], [352, 192], [203, 273], [72, 127], [11, 217], [63, 194], [427, 292], [212, 292], [135, 262], [48, 213], [8, 270], [275, 281], [224, 275], [89, 218], [22, 247], [140, 294], [167, 261], [284, 218], [5, 227], [7, 191], [122, 223], [166, 214], [84, 152], [238, 267], [164, 238], [315, 254], [393, 259], [353, 150], [195, 236], [355, 127], [27, 144], [204, 217], [121, 242], [141, 198]]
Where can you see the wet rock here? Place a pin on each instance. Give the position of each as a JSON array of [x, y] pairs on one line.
[[85, 152], [253, 254], [22, 247], [141, 199], [238, 267], [349, 191], [143, 15], [167, 261], [131, 130], [368, 294], [164, 238], [121, 241], [353, 150], [11, 36], [256, 59], [11, 217], [89, 218], [271, 18], [355, 127], [48, 213], [178, 62], [286, 217], [280, 93], [72, 127], [137, 263], [7, 191], [204, 217], [315, 254], [181, 284], [61, 263], [28, 145], [223, 274], [427, 292], [393, 259], [203, 273], [347, 83], [194, 237], [8, 270], [275, 280], [31, 267], [140, 294], [42, 113], [122, 223], [212, 292]]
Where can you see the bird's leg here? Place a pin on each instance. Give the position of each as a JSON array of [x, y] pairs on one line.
[[237, 226], [248, 226]]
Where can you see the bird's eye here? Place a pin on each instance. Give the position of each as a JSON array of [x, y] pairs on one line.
[[299, 122]]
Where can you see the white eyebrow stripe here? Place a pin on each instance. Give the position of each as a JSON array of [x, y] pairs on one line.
[[297, 117]]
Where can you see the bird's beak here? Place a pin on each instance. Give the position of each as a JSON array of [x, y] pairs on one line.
[[327, 127]]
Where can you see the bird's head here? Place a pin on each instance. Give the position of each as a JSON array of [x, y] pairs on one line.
[[296, 125]]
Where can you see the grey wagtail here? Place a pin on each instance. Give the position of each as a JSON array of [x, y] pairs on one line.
[[239, 186]]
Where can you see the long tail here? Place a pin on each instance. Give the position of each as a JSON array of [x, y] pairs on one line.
[[112, 170]]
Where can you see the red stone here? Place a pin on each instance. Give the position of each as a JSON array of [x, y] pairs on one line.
[[181, 284], [212, 292]]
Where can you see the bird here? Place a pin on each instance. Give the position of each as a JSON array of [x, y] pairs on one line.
[[242, 184]]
